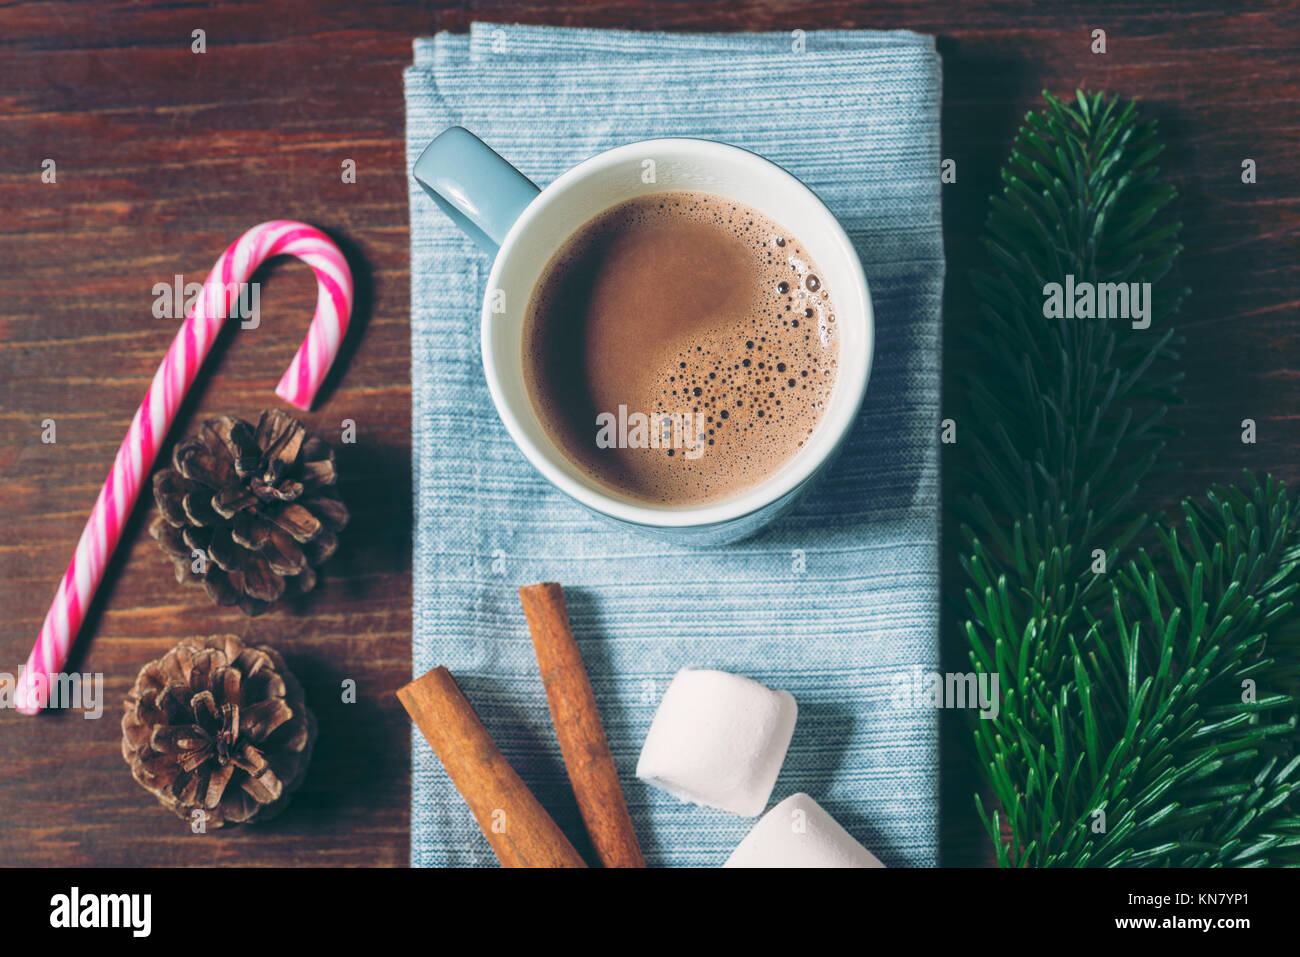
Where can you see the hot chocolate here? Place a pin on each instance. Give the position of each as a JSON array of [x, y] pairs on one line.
[[680, 348]]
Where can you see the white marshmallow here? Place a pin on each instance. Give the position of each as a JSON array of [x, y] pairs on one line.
[[799, 833], [718, 739]]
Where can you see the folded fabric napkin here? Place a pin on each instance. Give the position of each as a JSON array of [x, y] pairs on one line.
[[832, 601]]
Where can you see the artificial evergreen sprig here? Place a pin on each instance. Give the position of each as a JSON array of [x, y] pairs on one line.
[[1068, 412], [1126, 735], [1217, 731], [1178, 723]]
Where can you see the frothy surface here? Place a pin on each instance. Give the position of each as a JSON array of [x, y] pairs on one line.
[[688, 303]]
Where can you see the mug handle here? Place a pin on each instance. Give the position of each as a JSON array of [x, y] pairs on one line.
[[472, 184]]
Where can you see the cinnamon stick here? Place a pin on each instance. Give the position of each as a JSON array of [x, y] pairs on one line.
[[587, 757], [520, 831]]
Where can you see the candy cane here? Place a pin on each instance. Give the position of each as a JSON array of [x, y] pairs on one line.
[[154, 418]]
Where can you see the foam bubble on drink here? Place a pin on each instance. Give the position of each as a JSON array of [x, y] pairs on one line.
[[759, 369]]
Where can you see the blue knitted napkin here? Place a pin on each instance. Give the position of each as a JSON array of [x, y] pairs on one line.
[[832, 601]]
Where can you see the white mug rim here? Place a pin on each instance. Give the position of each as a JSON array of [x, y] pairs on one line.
[[834, 427]]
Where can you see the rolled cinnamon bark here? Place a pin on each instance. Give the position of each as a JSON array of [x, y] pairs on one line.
[[587, 757], [520, 831]]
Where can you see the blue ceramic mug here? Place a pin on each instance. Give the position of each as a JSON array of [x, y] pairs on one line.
[[522, 227]]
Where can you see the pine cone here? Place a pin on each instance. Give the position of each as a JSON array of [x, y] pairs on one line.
[[216, 725], [259, 504]]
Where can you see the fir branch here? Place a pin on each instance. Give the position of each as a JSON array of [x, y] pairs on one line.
[[1122, 692]]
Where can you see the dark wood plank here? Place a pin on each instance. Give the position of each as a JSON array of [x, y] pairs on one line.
[[164, 156]]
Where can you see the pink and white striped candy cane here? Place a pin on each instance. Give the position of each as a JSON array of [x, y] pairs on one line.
[[154, 418]]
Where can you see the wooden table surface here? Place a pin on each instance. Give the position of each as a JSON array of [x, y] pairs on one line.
[[164, 155]]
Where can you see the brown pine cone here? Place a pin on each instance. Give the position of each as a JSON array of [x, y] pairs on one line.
[[259, 505], [216, 725]]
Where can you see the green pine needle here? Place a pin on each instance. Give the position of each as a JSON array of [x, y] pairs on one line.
[[1150, 710]]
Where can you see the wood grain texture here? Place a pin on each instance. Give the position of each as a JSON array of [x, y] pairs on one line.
[[164, 156]]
